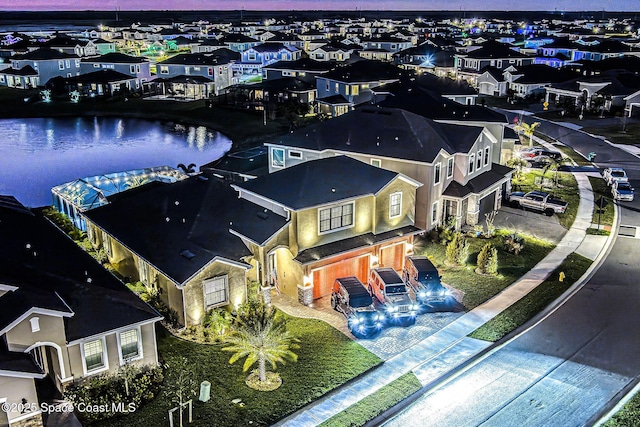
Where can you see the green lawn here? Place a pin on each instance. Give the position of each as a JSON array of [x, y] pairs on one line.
[[601, 189], [616, 134], [479, 288], [628, 416], [376, 403], [574, 266], [326, 360], [566, 190]]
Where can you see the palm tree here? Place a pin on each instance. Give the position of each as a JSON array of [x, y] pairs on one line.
[[553, 165], [260, 336], [528, 129]]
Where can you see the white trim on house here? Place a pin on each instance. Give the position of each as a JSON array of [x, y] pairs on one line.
[[18, 374], [140, 354], [113, 331], [235, 233], [35, 310], [343, 227], [54, 345], [217, 259], [397, 193], [8, 288]]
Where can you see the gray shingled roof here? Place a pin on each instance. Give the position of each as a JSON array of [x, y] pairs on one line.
[[319, 182], [386, 132]]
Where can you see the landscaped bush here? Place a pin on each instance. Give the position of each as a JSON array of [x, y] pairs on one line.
[[513, 243], [142, 385], [488, 260], [458, 250]]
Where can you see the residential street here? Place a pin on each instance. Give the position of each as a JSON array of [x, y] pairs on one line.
[[571, 367]]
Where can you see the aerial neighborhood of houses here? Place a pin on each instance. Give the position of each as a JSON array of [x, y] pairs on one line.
[[403, 147]]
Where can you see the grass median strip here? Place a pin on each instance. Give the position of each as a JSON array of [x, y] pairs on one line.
[[628, 416], [535, 301], [376, 403]]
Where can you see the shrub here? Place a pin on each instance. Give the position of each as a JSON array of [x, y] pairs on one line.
[[488, 260], [217, 321], [457, 250], [513, 243], [142, 385]]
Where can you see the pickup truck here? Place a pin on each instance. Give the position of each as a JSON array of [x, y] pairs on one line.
[[537, 200]]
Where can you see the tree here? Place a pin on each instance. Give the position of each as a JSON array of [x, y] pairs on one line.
[[488, 260], [527, 129], [187, 169], [180, 383], [259, 335], [457, 250], [553, 165]]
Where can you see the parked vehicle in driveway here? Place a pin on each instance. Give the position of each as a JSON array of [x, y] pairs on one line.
[[537, 200], [388, 288], [611, 175], [539, 162], [622, 190], [536, 152], [424, 279], [350, 297]]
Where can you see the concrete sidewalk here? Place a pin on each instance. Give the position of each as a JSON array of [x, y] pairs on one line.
[[446, 349]]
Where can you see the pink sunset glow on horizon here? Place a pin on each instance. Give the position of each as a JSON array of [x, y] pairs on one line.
[[499, 5]]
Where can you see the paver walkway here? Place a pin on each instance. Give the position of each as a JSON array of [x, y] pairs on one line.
[[448, 348]]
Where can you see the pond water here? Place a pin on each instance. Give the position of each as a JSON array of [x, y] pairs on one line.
[[38, 154]]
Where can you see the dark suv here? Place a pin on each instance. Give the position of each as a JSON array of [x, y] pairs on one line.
[[351, 298], [423, 277]]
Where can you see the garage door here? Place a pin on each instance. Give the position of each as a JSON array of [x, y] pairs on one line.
[[324, 277], [487, 204], [392, 256]]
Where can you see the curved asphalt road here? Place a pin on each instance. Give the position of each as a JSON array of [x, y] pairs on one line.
[[570, 367]]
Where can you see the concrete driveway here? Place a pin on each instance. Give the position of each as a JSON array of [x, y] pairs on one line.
[[531, 223]]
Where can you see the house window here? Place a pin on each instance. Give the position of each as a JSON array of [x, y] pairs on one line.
[[479, 160], [277, 157], [486, 156], [395, 205], [210, 71], [434, 212], [328, 86], [436, 174], [129, 344], [61, 65], [376, 162], [336, 217], [216, 291], [449, 167], [106, 242], [295, 154], [355, 90], [67, 63], [77, 62], [93, 355], [471, 160], [96, 65], [164, 69]]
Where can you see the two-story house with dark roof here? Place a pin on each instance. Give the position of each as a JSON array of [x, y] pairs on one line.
[[62, 315], [470, 64], [195, 75], [47, 63], [343, 217], [453, 162], [255, 58], [349, 85], [134, 66]]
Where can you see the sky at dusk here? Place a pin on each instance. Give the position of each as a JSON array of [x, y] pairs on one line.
[[502, 5]]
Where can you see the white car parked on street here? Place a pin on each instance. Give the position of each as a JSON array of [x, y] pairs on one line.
[[611, 175]]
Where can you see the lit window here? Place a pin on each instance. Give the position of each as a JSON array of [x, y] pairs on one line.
[[277, 157], [450, 167], [436, 174], [93, 355], [395, 205], [129, 344], [376, 162], [336, 217], [216, 291], [486, 156]]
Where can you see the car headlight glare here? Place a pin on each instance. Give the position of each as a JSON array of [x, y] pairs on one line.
[[422, 294]]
